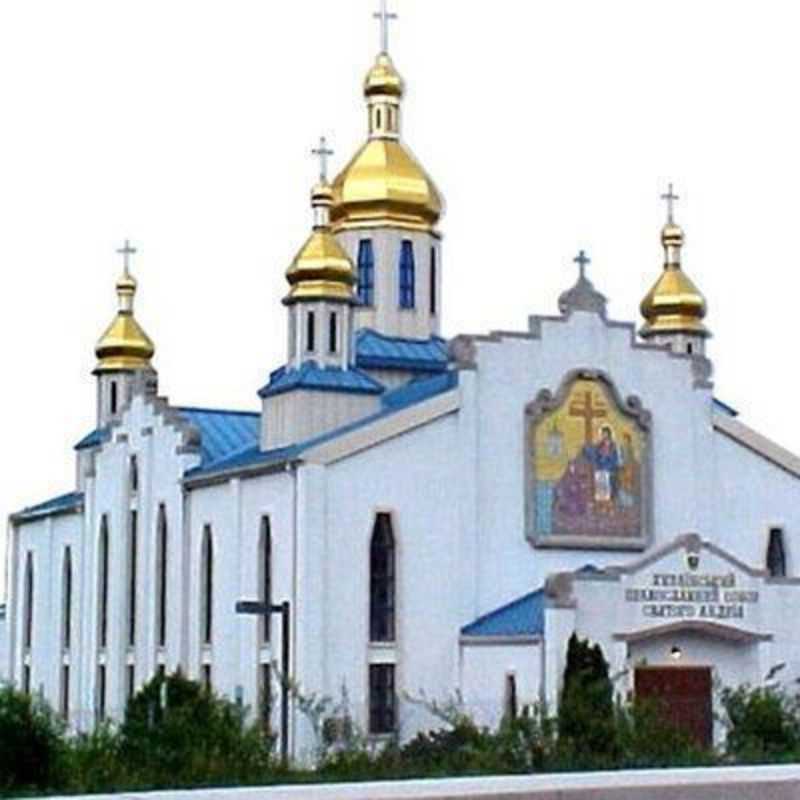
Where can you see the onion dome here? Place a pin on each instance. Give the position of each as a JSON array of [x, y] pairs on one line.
[[674, 305], [384, 185], [124, 346], [321, 270]]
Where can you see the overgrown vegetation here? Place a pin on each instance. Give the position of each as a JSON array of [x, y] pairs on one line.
[[178, 734]]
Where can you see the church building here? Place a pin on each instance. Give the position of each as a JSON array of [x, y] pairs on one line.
[[439, 513]]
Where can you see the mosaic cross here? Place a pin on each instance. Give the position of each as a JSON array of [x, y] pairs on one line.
[[588, 412]]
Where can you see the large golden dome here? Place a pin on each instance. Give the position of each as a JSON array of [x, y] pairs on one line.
[[384, 185], [674, 304], [124, 345], [321, 270]]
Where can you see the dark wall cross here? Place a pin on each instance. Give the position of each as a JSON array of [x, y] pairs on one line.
[[586, 410]]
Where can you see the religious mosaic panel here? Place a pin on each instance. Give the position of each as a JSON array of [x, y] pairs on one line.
[[588, 467]]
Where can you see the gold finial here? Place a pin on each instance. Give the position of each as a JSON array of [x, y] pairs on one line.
[[674, 304], [321, 270], [124, 346]]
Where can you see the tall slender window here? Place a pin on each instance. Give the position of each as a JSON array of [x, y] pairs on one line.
[[161, 576], [207, 592], [382, 581], [265, 575], [333, 333], [132, 564], [113, 397], [102, 584], [310, 331], [407, 290], [366, 273], [26, 678], [64, 708], [265, 695], [27, 635], [776, 553], [434, 278], [382, 699], [101, 692], [66, 609], [134, 474]]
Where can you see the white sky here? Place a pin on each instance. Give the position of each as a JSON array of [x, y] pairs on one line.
[[187, 127]]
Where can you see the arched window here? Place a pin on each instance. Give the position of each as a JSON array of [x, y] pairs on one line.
[[366, 273], [161, 576], [265, 575], [382, 581], [207, 588], [333, 333], [102, 584], [133, 535], [66, 594], [27, 634], [776, 553], [134, 474], [434, 278], [407, 269], [310, 332]]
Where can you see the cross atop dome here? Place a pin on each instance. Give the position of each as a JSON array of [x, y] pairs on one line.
[[126, 251], [583, 261], [385, 16], [323, 152], [670, 198]]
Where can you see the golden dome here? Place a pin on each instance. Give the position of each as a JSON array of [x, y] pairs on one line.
[[321, 270], [124, 345], [383, 79], [384, 185], [674, 304]]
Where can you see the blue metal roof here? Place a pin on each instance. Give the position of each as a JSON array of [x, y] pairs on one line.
[[322, 379], [522, 617], [393, 402], [94, 439], [223, 433], [376, 351], [56, 505]]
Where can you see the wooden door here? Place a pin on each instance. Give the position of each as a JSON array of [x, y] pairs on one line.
[[683, 697]]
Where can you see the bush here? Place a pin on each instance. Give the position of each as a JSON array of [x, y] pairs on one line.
[[763, 724], [32, 743], [177, 733]]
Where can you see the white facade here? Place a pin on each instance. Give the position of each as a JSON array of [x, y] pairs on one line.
[[179, 513]]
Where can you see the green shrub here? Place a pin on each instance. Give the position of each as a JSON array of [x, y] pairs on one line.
[[763, 724], [31, 743]]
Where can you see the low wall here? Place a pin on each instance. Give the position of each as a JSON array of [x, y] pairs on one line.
[[739, 783]]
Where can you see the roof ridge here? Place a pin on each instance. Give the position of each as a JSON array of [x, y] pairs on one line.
[[202, 410], [408, 339]]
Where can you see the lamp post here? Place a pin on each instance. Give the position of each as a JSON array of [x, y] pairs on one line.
[[265, 610]]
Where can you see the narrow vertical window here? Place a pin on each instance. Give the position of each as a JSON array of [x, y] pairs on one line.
[[101, 692], [382, 699], [434, 278], [102, 584], [66, 594], [265, 695], [27, 634], [333, 333], [265, 575], [132, 564], [113, 401], [310, 331], [382, 581], [26, 679], [64, 705], [207, 677], [134, 474], [366, 273], [161, 576], [512, 704], [207, 592], [130, 688], [407, 289], [776, 553]]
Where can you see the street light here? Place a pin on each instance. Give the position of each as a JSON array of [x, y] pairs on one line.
[[256, 608]]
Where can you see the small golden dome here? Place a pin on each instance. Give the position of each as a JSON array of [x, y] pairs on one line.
[[384, 185], [321, 270], [383, 79], [674, 304], [124, 345]]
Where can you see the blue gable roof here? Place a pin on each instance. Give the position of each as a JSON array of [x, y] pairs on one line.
[[397, 400], [522, 617], [94, 439], [322, 379], [223, 433], [376, 351], [56, 505]]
